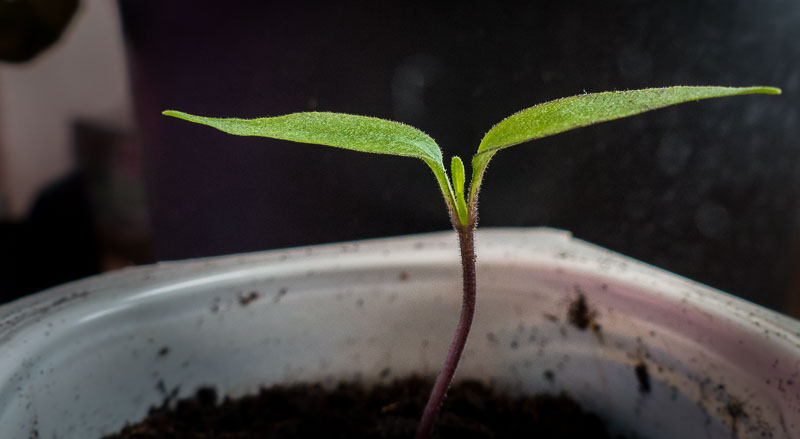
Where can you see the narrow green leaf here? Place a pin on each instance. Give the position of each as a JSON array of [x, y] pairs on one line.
[[579, 111], [457, 171], [566, 114], [358, 133]]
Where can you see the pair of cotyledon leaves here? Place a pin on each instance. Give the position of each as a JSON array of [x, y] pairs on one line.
[[370, 134]]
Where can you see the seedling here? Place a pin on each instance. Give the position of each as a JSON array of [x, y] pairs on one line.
[[369, 134]]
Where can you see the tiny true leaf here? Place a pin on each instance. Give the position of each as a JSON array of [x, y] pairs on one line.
[[457, 171]]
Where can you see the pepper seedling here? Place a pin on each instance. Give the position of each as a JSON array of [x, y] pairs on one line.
[[374, 135]]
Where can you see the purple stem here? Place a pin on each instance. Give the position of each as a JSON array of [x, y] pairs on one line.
[[466, 238]]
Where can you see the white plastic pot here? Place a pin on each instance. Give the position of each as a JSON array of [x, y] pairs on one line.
[[665, 358]]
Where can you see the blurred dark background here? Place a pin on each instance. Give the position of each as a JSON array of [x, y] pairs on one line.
[[708, 190]]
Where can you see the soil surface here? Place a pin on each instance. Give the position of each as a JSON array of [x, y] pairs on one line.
[[471, 410]]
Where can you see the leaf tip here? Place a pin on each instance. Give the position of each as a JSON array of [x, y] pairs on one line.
[[174, 113], [761, 89], [185, 116]]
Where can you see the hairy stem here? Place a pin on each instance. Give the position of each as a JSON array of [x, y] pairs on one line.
[[466, 240]]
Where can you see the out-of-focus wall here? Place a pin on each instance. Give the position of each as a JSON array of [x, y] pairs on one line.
[[84, 76]]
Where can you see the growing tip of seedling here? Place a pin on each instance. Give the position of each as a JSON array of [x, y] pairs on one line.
[[457, 172]]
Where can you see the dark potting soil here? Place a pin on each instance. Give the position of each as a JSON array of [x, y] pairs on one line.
[[471, 410]]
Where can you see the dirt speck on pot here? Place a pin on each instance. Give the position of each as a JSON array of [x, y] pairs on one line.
[[578, 313], [642, 377], [281, 292], [247, 299], [582, 317], [170, 395], [69, 298], [216, 305], [735, 409]]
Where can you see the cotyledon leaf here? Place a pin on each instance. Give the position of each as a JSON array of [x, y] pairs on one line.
[[573, 112], [358, 133]]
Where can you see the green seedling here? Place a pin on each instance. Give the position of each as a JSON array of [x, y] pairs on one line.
[[369, 134]]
